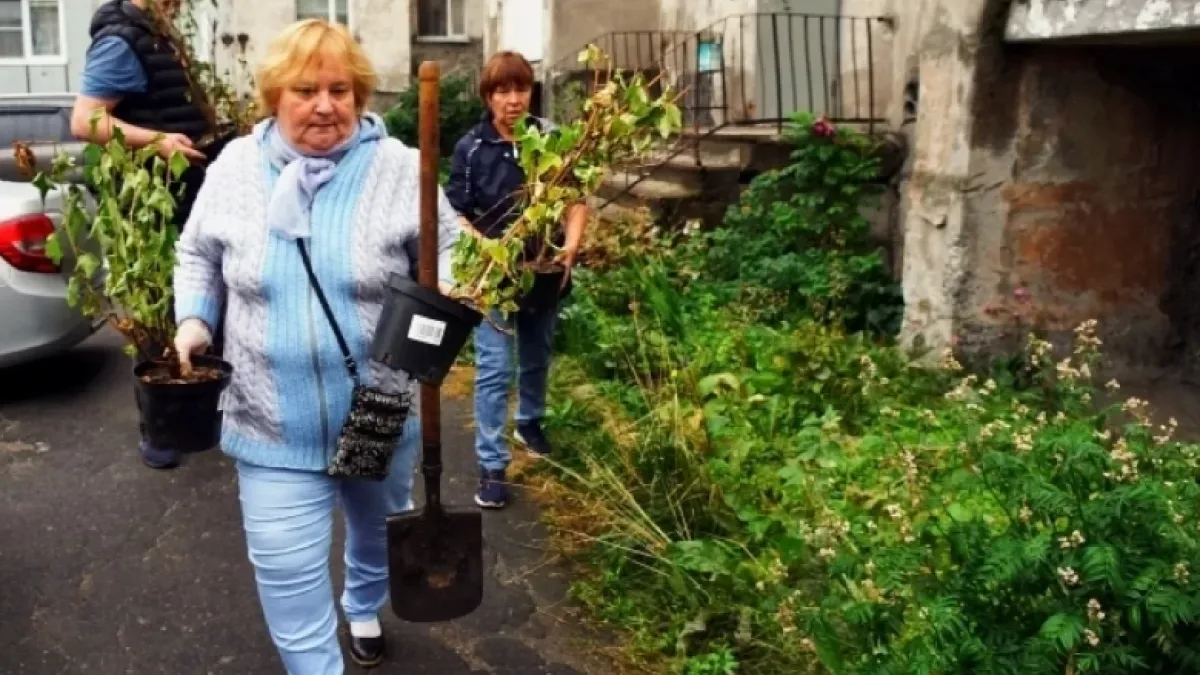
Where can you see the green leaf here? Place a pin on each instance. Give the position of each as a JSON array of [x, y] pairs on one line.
[[179, 164], [88, 265], [43, 183], [1064, 630], [705, 556], [54, 248], [547, 162], [665, 129], [718, 382]]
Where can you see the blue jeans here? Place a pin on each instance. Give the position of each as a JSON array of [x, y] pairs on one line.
[[288, 518], [494, 374]]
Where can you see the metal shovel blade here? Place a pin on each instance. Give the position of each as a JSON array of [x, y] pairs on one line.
[[435, 561]]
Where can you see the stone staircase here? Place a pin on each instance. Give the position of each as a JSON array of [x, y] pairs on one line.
[[698, 176]]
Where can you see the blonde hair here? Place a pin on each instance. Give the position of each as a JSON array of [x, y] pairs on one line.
[[306, 44]]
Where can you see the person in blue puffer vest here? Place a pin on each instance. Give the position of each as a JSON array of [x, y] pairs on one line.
[[484, 185]]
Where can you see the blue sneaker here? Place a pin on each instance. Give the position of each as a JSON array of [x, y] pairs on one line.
[[493, 489], [158, 458], [530, 435]]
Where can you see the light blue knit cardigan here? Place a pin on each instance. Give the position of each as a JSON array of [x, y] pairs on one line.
[[290, 391]]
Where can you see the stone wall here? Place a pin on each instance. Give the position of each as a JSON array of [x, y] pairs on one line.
[[1058, 181], [1091, 19], [1091, 180]]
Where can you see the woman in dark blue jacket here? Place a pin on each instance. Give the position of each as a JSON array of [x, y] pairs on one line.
[[485, 178]]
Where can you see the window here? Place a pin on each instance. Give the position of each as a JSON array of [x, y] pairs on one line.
[[441, 18], [332, 10], [31, 30]]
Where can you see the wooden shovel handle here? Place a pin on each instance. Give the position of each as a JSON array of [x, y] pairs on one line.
[[429, 76]]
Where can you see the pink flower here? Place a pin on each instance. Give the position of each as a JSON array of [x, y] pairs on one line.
[[1021, 293], [823, 128]]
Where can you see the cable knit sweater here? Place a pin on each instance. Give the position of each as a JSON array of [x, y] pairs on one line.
[[290, 391]]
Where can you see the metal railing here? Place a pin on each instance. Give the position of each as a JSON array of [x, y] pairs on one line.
[[744, 70], [750, 68]]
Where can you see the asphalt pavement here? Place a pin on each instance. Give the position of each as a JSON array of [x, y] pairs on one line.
[[110, 568]]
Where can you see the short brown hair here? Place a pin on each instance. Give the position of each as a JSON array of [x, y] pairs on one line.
[[505, 69], [308, 43]]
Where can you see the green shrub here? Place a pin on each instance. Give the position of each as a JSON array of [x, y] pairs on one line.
[[800, 232], [460, 109]]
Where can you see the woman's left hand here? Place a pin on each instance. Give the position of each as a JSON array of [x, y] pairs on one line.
[[566, 258]]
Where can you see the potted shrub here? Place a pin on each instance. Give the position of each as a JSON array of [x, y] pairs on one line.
[[421, 331], [118, 213], [123, 205]]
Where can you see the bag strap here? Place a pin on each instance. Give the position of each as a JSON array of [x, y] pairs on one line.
[[351, 365]]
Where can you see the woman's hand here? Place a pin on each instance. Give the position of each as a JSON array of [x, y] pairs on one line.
[[193, 337], [566, 259], [469, 228]]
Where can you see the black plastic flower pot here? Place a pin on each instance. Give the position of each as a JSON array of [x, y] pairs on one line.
[[421, 331], [182, 416], [545, 294]]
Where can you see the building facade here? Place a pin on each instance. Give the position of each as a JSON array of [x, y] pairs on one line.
[[741, 61], [42, 45], [43, 42]]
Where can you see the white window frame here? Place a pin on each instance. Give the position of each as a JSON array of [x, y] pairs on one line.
[[448, 37], [27, 41], [331, 11]]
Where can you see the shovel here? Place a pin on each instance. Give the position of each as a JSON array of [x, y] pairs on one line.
[[435, 554]]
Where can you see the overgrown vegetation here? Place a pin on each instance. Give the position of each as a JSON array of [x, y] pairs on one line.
[[754, 484], [811, 243]]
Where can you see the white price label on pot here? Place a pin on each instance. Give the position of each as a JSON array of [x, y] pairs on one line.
[[424, 329]]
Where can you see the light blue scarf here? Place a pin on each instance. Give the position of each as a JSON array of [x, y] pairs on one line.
[[289, 210]]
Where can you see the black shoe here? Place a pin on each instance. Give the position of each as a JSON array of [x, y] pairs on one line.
[[530, 435], [367, 652], [493, 489]]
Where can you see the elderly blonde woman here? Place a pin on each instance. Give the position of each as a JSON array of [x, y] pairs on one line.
[[319, 176]]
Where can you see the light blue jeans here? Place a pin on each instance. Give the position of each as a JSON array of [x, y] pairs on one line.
[[288, 518], [494, 375]]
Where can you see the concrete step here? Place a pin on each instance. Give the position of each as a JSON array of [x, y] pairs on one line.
[[616, 212], [657, 187]]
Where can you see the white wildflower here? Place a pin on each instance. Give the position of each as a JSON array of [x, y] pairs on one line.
[[1068, 576]]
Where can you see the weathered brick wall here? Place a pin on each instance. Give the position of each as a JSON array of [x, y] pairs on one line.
[[1082, 193]]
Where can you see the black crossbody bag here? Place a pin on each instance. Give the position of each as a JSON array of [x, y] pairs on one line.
[[372, 429]]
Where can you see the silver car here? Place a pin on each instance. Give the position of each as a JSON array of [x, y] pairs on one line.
[[35, 319]]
